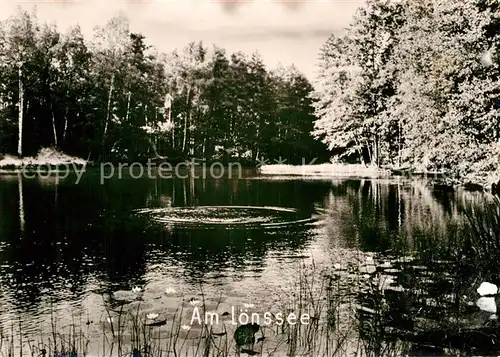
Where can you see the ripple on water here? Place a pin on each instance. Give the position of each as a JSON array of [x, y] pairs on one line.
[[226, 216]]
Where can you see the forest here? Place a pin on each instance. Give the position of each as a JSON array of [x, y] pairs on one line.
[[407, 84], [114, 97], [414, 83]]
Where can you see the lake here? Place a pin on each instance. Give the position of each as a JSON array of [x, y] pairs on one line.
[[369, 259]]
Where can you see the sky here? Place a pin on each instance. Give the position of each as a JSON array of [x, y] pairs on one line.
[[283, 31]]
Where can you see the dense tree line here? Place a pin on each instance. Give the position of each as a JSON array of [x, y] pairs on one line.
[[114, 97], [414, 83]]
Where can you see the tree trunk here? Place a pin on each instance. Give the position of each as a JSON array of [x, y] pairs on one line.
[[151, 142], [191, 146], [204, 147], [375, 152], [255, 153], [360, 152], [128, 106], [65, 130], [399, 143], [54, 130], [207, 144], [108, 112], [153, 147], [171, 120], [188, 113], [370, 154], [21, 114]]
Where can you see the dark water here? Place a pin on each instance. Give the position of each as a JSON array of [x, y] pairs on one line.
[[62, 246]]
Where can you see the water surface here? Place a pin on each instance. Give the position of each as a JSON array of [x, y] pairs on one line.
[[65, 248]]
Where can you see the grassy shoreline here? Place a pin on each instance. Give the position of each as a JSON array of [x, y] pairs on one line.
[[333, 170], [126, 330], [48, 157], [328, 170], [51, 160]]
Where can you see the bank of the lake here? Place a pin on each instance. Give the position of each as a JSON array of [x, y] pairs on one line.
[[47, 158], [380, 265], [332, 170], [54, 161], [325, 170]]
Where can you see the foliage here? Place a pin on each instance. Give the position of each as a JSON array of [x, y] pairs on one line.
[[105, 97], [415, 82]]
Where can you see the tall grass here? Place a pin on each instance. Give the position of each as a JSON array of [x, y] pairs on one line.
[[332, 330], [484, 224], [477, 246], [338, 326]]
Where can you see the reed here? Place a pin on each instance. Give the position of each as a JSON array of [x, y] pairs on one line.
[[333, 329]]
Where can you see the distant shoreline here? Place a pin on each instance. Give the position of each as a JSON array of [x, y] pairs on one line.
[[329, 170], [324, 171], [50, 160]]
